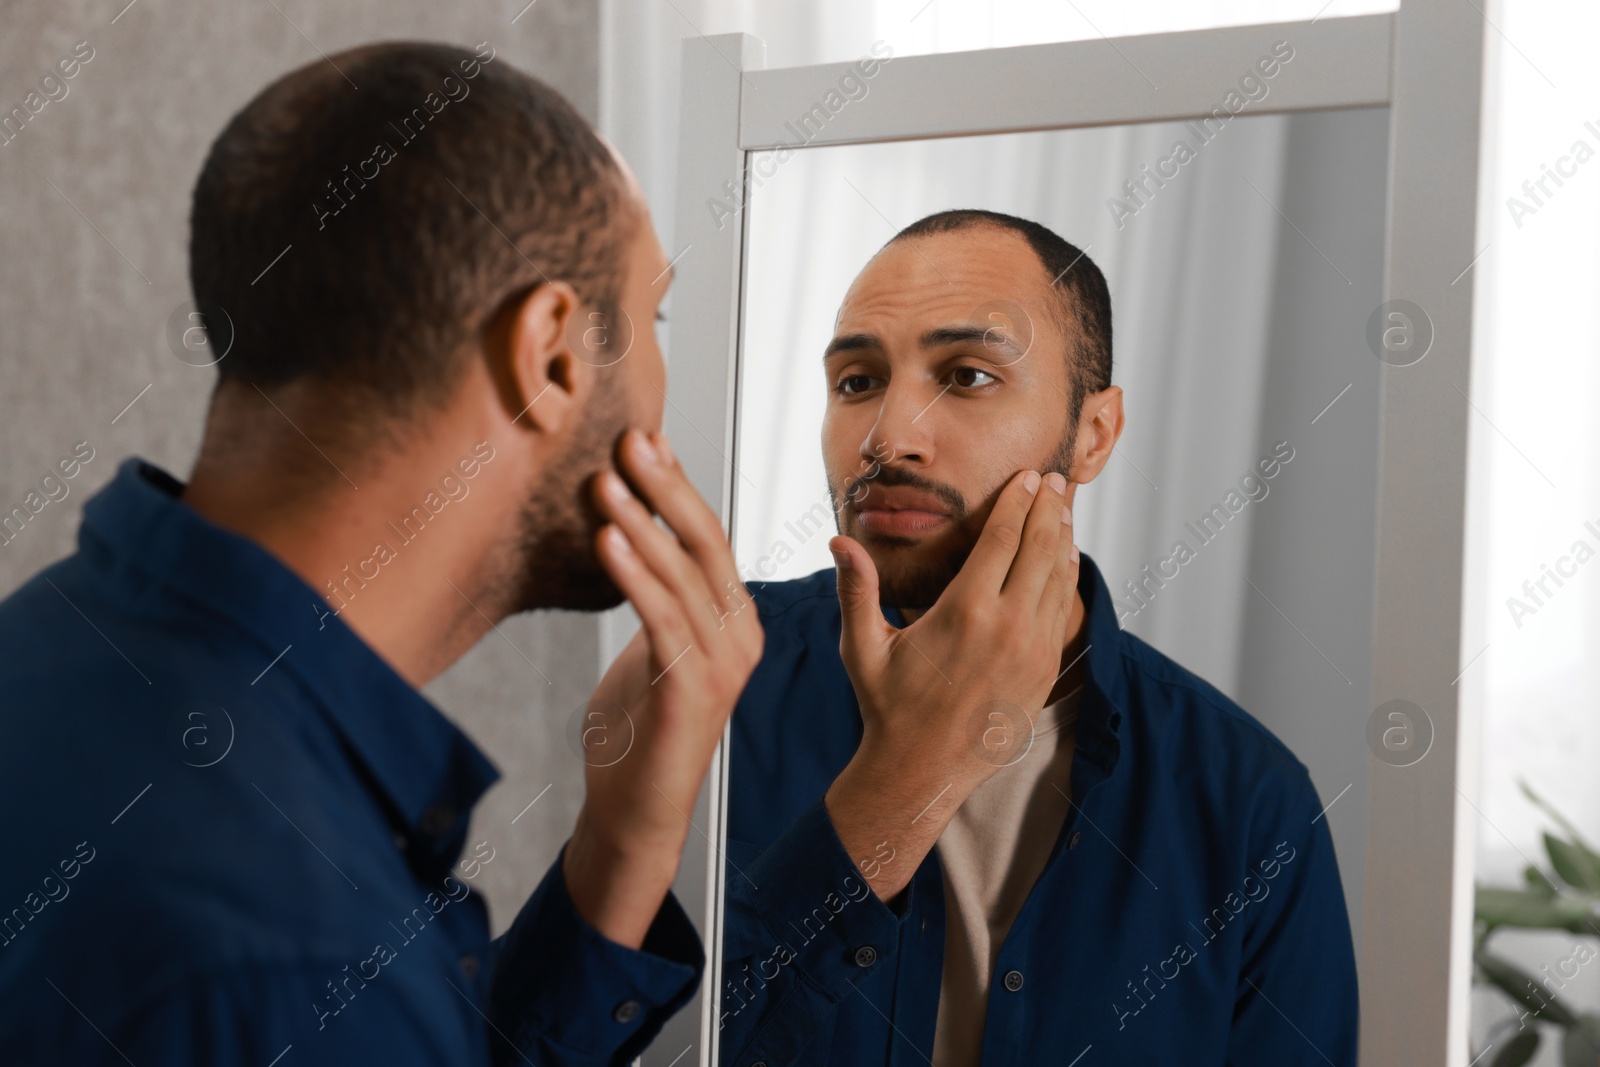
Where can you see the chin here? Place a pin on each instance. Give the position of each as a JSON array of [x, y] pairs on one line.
[[564, 574], [913, 577], [912, 594], [599, 595], [913, 571], [553, 565], [597, 592]]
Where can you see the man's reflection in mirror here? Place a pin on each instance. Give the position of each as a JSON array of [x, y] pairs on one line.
[[970, 819]]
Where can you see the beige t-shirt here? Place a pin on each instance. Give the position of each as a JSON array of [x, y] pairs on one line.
[[991, 854]]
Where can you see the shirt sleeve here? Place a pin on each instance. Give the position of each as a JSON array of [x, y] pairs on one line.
[[801, 928], [1297, 997], [564, 993]]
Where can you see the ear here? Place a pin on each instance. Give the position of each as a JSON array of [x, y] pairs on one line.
[[1099, 427], [545, 385]]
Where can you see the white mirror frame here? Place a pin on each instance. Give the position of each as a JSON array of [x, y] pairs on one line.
[[1425, 64]]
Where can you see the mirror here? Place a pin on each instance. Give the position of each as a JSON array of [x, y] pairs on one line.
[[1233, 526]]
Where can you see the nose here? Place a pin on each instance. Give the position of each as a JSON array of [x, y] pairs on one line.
[[903, 430]]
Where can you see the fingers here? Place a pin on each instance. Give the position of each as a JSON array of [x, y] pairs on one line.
[[691, 563], [659, 609], [658, 548], [1056, 599], [986, 568], [862, 618], [1037, 557], [662, 483]]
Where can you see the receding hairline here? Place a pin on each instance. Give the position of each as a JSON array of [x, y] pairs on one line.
[[1060, 302]]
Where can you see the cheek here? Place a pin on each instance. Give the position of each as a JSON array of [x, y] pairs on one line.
[[648, 383], [647, 349], [1024, 440], [841, 443], [981, 472]]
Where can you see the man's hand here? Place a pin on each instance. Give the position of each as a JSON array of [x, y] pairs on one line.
[[945, 701], [658, 713]]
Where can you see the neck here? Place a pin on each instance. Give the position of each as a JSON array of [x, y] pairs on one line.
[[403, 549]]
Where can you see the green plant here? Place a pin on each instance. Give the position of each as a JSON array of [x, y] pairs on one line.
[[1566, 898]]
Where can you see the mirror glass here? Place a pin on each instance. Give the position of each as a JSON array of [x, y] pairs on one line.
[[1232, 526]]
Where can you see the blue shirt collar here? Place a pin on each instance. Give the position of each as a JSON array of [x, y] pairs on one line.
[[140, 532], [1101, 722]]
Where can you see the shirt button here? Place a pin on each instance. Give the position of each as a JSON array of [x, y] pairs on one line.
[[627, 1011], [866, 956], [436, 821], [1013, 980], [1072, 842], [469, 966]]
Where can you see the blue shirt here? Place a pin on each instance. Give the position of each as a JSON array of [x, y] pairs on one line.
[[1190, 911], [238, 835]]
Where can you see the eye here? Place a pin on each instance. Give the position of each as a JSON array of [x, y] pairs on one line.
[[969, 377], [854, 384], [661, 316]]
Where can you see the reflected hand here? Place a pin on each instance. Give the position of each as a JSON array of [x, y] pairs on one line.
[[995, 635]]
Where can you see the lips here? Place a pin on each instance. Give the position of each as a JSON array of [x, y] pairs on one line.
[[900, 511]]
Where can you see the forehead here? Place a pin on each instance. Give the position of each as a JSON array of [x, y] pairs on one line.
[[945, 278]]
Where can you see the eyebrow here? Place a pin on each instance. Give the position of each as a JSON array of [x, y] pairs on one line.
[[850, 342], [957, 335], [939, 337]]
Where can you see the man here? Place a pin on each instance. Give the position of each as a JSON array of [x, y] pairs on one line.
[[238, 828], [971, 821]]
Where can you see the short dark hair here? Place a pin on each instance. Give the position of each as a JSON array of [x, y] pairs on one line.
[[406, 214], [1084, 304]]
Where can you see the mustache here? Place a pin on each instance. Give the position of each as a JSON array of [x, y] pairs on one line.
[[855, 488]]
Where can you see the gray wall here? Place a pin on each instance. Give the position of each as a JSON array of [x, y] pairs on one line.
[[86, 288]]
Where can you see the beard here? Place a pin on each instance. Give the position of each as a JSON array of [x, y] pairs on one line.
[[913, 574], [552, 562]]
